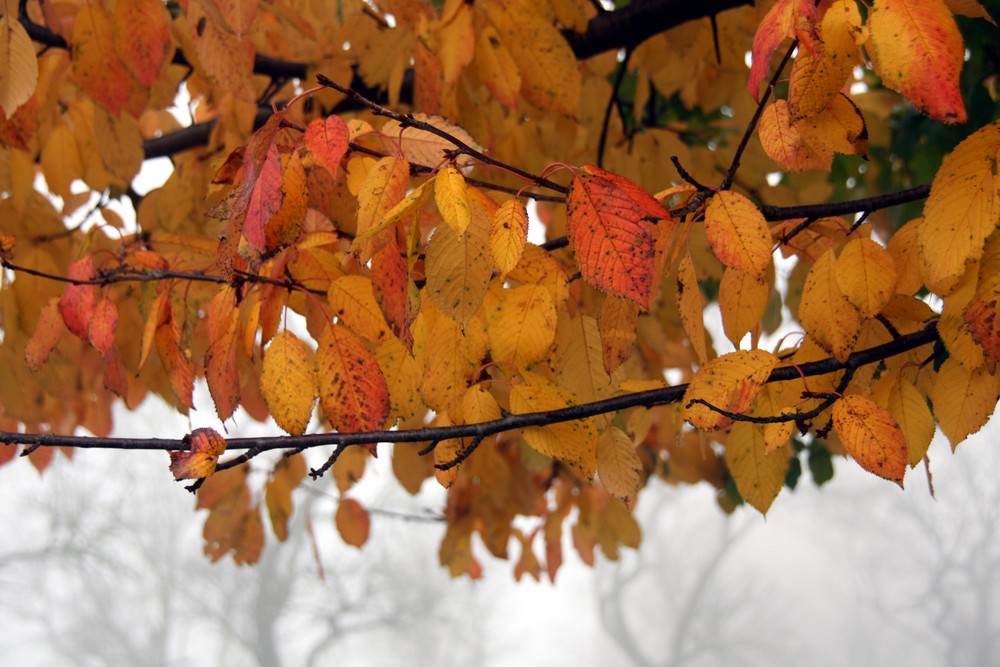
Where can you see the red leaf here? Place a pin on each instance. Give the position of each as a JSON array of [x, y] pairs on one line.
[[328, 141], [612, 235], [77, 303], [206, 448], [265, 200], [352, 390], [394, 291], [220, 358], [103, 324], [783, 20], [175, 362]]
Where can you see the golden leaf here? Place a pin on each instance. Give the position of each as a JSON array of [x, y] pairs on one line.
[[288, 382], [206, 446], [743, 299], [738, 233], [452, 199], [18, 65], [871, 436], [731, 383], [962, 400], [618, 465], [866, 275], [759, 475], [825, 312], [508, 234], [523, 327]]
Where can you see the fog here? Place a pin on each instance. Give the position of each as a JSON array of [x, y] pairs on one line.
[[101, 564]]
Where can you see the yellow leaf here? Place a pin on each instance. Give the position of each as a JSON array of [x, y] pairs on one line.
[[759, 476], [738, 233], [866, 275], [616, 323], [403, 375], [508, 234], [573, 442], [839, 127], [909, 408], [452, 200], [742, 299], [479, 405], [524, 326], [458, 43], [691, 306], [496, 68], [408, 205], [579, 362], [425, 148], [777, 434], [905, 253], [18, 65], [446, 373], [962, 400], [962, 210], [458, 269], [917, 50], [819, 74], [352, 302], [981, 316], [871, 436], [550, 78], [383, 187], [288, 382], [824, 311], [618, 465], [731, 383]]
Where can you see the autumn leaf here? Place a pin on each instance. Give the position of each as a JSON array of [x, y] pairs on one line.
[[352, 390], [288, 473], [962, 400], [738, 233], [327, 141], [102, 327], [616, 323], [288, 382], [353, 522], [825, 312], [420, 146], [691, 306], [962, 210], [205, 448], [743, 299], [96, 65], [523, 327], [508, 234], [866, 276], [142, 38], [452, 199], [909, 408], [618, 465], [383, 187], [820, 73], [18, 66], [871, 436], [786, 19], [77, 303], [496, 67], [917, 50], [612, 234], [730, 383], [759, 474], [784, 142], [48, 331], [984, 325]]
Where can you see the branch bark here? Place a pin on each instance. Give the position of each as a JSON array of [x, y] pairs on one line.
[[482, 430]]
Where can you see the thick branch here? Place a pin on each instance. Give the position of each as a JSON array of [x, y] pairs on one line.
[[866, 205], [482, 430]]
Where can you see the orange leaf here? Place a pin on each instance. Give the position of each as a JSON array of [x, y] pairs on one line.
[[616, 323], [738, 233], [781, 22], [777, 434], [963, 400], [984, 323], [142, 38], [220, 358], [909, 408], [818, 75], [784, 142], [287, 475], [611, 234], [18, 65], [288, 382], [179, 369], [871, 436], [742, 299], [77, 303], [352, 390], [731, 383], [353, 522], [917, 50], [395, 291], [48, 331], [103, 323], [426, 148], [206, 446], [692, 307], [382, 188], [327, 141], [96, 66]]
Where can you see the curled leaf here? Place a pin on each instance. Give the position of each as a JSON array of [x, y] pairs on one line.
[[206, 446]]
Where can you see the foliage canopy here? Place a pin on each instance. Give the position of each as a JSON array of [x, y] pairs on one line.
[[351, 259]]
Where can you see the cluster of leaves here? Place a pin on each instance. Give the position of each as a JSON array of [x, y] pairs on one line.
[[513, 373]]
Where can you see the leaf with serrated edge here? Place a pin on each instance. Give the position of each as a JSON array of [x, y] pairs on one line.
[[524, 326], [866, 275], [738, 233], [871, 436], [618, 465], [508, 234], [288, 382], [730, 383], [824, 311], [352, 390], [962, 400], [18, 65], [759, 475], [742, 299]]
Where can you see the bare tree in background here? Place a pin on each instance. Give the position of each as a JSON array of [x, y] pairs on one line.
[[686, 598], [94, 585]]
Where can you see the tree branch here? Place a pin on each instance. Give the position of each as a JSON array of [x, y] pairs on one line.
[[481, 430], [868, 204]]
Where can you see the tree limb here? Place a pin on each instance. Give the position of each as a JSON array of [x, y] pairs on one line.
[[481, 430]]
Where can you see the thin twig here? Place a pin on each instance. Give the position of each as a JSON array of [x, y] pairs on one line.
[[612, 101], [462, 455]]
